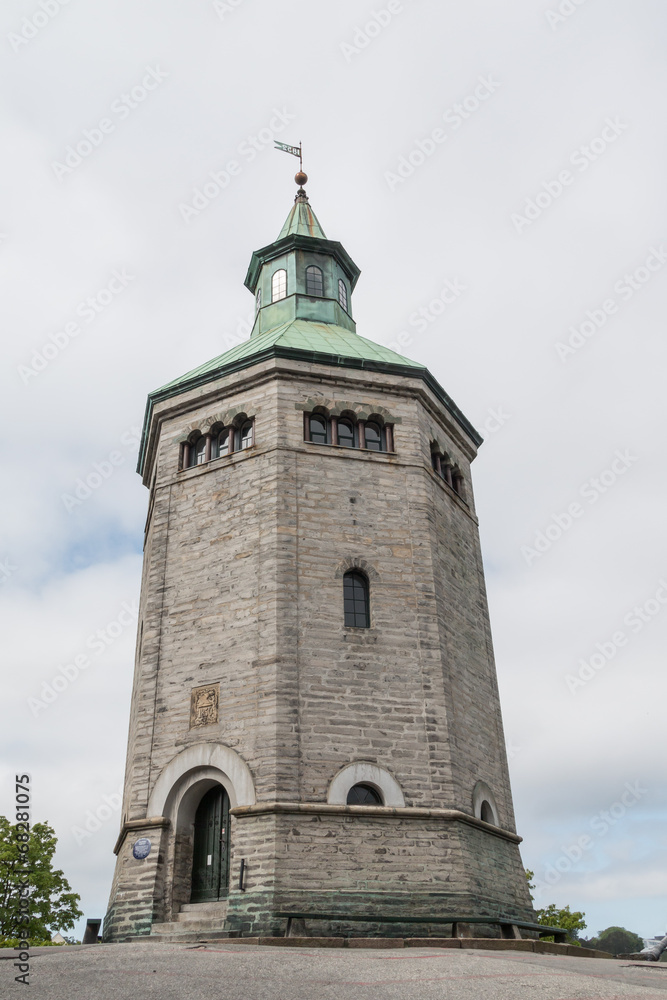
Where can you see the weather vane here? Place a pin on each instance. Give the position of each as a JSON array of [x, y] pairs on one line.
[[300, 177]]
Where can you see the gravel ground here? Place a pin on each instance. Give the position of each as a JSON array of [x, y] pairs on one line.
[[252, 972]]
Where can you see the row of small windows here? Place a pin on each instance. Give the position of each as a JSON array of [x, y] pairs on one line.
[[345, 431], [201, 448], [314, 286], [348, 432], [443, 467]]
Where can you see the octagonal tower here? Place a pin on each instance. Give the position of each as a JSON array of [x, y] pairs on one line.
[[315, 725]]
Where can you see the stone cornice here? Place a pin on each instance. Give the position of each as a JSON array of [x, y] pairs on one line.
[[376, 812]]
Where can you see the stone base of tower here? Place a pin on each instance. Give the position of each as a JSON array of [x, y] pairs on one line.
[[137, 891], [381, 867]]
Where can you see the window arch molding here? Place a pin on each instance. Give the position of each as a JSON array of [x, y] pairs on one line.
[[363, 772], [482, 797], [353, 563]]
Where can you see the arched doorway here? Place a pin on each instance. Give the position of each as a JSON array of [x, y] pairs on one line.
[[210, 856]]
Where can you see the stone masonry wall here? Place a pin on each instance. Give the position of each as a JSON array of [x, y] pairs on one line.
[[243, 587]]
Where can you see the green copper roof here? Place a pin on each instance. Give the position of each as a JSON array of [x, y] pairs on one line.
[[302, 221], [299, 335]]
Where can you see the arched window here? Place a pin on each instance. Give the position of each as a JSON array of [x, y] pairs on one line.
[[346, 433], [318, 429], [197, 452], [363, 795], [356, 600], [373, 435], [314, 281], [342, 294], [223, 443], [486, 813], [258, 300], [247, 435], [279, 285]]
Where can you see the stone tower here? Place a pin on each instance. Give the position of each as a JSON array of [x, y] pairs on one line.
[[315, 725]]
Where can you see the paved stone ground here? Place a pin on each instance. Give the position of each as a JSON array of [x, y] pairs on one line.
[[251, 972]]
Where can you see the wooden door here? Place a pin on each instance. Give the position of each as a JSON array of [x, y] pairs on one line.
[[210, 856]]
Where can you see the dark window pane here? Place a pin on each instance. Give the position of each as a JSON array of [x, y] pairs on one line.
[[318, 430], [363, 795], [314, 282], [487, 813], [345, 434], [342, 293], [373, 437], [355, 601], [258, 300], [198, 451]]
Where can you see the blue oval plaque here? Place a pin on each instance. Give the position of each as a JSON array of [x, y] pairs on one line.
[[142, 848]]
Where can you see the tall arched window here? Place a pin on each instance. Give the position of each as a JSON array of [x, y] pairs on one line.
[[318, 429], [373, 435], [363, 795], [314, 281], [346, 433], [356, 600], [342, 294], [279, 285], [258, 300]]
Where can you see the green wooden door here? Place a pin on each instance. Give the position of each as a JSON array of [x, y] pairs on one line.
[[210, 857]]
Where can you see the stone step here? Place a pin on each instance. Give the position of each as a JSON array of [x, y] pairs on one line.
[[188, 927], [183, 935], [203, 911], [214, 906]]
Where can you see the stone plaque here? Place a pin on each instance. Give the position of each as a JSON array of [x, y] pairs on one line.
[[204, 705]]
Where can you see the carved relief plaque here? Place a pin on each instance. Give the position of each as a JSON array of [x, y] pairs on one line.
[[204, 705]]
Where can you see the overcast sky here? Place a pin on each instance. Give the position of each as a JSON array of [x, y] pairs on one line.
[[514, 150]]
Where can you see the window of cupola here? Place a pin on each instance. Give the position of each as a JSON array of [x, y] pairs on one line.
[[314, 280], [279, 285]]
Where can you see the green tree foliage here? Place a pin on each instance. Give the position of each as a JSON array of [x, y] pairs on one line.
[[53, 905], [571, 921], [617, 941]]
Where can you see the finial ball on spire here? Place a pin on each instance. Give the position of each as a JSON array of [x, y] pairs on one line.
[[301, 178]]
